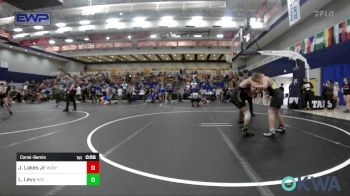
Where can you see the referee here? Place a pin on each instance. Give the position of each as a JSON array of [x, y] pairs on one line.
[[70, 97]]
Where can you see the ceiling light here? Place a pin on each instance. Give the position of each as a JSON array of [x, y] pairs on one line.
[[140, 22], [11, 47], [220, 36], [197, 21], [197, 18], [188, 55], [129, 36], [51, 41], [84, 22], [60, 24], [139, 19], [117, 25], [41, 33], [226, 22], [120, 13], [38, 27], [174, 54], [255, 23], [168, 21], [112, 56], [34, 43], [20, 35], [68, 40], [26, 50], [197, 36], [87, 27], [201, 54], [17, 30], [108, 38], [153, 36], [112, 20], [190, 58], [63, 29], [86, 39]]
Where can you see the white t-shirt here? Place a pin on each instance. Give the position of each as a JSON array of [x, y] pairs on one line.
[[142, 92], [78, 90], [336, 91], [120, 92], [124, 85]]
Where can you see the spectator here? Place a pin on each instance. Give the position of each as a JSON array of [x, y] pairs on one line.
[[346, 94], [307, 94]]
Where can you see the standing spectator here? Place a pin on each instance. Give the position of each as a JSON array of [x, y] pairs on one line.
[[336, 94], [328, 91], [120, 93], [56, 91], [282, 88], [307, 93], [4, 97], [78, 94], [130, 92], [93, 94], [346, 94]]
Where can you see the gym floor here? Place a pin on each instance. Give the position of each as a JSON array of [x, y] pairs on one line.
[[174, 149]]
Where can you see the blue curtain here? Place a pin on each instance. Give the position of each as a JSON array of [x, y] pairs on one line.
[[336, 74]]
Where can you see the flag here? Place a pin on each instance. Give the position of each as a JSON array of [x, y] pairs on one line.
[[336, 33], [303, 46], [297, 47], [292, 48], [340, 32], [310, 44], [348, 28], [329, 37], [319, 44]]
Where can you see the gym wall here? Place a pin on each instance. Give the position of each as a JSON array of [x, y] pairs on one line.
[[24, 66], [155, 67]]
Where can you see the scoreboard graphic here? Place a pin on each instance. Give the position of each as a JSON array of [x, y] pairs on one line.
[[79, 169]]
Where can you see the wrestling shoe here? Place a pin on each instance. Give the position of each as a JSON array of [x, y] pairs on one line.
[[270, 134], [280, 130], [245, 132]]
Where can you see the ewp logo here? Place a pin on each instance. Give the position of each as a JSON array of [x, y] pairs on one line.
[[331, 183], [42, 18]]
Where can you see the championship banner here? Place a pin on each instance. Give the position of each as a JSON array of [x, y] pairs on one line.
[[33, 42], [208, 43], [5, 34], [295, 95], [293, 11]]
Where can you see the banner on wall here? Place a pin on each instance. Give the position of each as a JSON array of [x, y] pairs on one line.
[[4, 64], [293, 11], [5, 34], [295, 96]]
